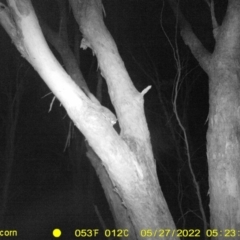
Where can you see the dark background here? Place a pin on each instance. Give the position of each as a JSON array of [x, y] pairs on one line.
[[48, 187]]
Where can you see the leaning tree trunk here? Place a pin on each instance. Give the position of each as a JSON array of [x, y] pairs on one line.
[[223, 136], [127, 158]]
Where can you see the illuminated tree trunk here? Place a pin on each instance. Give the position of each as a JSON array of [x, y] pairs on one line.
[[133, 190]]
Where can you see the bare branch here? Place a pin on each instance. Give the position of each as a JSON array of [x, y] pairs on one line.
[[125, 98], [190, 39], [229, 32], [215, 25], [68, 58]]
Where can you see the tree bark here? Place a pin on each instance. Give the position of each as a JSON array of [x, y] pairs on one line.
[[128, 158], [223, 141]]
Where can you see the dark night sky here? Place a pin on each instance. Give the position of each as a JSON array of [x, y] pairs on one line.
[[42, 172]]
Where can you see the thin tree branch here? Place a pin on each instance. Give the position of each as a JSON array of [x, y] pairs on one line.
[[190, 39], [215, 25]]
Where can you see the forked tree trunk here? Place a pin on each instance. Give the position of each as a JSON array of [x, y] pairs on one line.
[[223, 136], [127, 158]]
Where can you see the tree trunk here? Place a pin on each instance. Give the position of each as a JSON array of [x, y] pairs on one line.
[[223, 141], [223, 144], [126, 158]]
